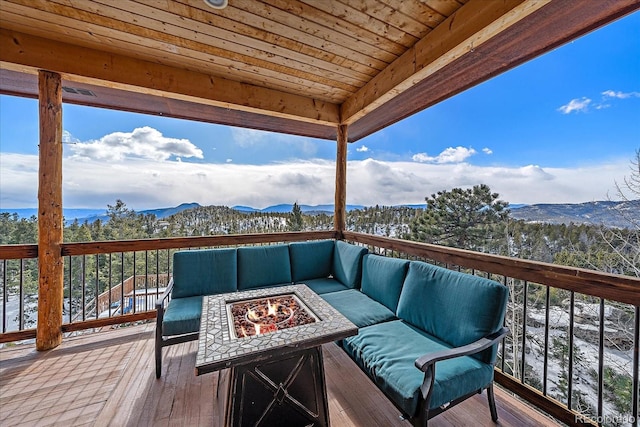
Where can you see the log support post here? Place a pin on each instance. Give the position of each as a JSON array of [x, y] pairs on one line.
[[50, 266], [340, 212]]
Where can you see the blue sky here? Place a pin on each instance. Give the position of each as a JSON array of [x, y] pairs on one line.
[[562, 128]]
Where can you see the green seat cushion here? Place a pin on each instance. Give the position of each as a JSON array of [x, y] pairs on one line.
[[204, 272], [359, 308], [262, 266], [323, 286], [458, 308], [311, 260], [387, 353], [347, 263], [182, 316], [382, 279]]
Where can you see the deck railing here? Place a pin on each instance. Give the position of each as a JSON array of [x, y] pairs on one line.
[[573, 348], [573, 351]]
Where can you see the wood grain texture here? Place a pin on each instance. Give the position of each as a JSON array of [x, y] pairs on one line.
[[50, 226], [340, 202], [107, 379], [311, 64]]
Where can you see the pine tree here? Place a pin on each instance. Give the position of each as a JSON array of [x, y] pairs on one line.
[[459, 218], [296, 222]]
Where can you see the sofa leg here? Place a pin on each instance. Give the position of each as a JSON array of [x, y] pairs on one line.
[[492, 403], [158, 354]]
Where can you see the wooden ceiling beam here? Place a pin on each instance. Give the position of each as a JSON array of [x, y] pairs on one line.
[[471, 26], [24, 52]]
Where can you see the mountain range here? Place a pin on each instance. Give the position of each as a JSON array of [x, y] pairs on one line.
[[609, 213]]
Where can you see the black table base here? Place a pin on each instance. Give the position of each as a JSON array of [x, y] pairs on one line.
[[287, 390]]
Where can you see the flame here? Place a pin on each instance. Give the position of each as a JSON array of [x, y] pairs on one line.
[[272, 309], [252, 315]]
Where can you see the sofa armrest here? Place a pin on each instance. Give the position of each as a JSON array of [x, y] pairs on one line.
[[164, 296], [427, 362], [483, 343]]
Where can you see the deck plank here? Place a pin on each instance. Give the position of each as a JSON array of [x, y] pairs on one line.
[[108, 379]]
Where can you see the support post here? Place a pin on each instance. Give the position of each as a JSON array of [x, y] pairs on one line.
[[50, 266], [340, 206]]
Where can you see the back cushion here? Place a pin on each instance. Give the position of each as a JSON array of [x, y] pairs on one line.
[[347, 263], [311, 260], [455, 307], [263, 266], [382, 279], [204, 272]]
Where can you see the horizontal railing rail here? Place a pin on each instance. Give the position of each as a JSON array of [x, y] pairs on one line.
[[625, 289], [104, 247]]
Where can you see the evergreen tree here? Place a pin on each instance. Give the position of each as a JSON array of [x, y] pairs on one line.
[[459, 218], [296, 222]]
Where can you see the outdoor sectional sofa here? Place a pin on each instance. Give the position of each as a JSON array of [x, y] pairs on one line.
[[412, 316]]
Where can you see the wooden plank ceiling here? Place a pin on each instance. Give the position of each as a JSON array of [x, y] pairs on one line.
[[293, 66]]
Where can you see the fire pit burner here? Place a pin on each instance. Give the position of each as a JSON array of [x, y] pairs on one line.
[[265, 315]]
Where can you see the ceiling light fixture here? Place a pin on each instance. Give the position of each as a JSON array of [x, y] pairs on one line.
[[216, 4]]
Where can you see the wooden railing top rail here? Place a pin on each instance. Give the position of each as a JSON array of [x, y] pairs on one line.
[[18, 251], [615, 287], [106, 247]]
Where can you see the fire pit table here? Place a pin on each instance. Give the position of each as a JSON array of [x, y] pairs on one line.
[[266, 343]]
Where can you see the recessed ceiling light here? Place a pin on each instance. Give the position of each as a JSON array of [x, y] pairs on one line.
[[216, 4]]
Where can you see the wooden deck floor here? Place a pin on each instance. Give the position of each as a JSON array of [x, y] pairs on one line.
[[107, 379]]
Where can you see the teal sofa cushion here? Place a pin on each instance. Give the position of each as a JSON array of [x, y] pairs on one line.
[[182, 316], [387, 352], [347, 263], [262, 266], [325, 285], [457, 308], [311, 260], [359, 308], [204, 272], [382, 279]]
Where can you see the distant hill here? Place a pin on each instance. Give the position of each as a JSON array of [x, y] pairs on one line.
[[610, 214], [286, 208], [69, 214]]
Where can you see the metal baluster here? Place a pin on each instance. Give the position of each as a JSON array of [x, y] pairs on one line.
[[21, 300], [601, 358], [135, 302], [524, 331], [570, 373], [84, 288], [636, 356], [97, 284], [110, 284], [5, 297], [545, 366]]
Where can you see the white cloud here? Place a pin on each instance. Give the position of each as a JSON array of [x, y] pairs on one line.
[[362, 149], [67, 138], [144, 184], [487, 150], [248, 137], [620, 95], [449, 155], [577, 105], [584, 104], [252, 138], [144, 143]]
